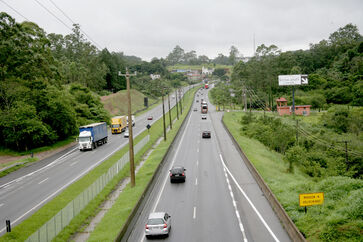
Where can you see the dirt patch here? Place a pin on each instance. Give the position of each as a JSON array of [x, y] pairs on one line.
[[40, 155]]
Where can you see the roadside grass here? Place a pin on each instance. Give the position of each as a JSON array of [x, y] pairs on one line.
[[16, 165], [115, 218], [340, 218], [25, 229]]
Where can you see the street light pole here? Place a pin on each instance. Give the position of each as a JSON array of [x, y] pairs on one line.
[[171, 124], [131, 140]]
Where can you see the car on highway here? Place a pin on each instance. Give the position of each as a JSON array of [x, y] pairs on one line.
[[195, 109], [126, 134], [204, 116], [177, 173], [158, 223], [206, 134], [197, 101], [150, 118]]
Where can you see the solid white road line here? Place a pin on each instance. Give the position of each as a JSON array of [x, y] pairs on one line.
[[43, 180], [194, 212], [235, 208], [249, 201]]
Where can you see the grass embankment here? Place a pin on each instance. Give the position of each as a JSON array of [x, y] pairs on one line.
[[340, 218], [22, 231], [115, 218], [116, 103]]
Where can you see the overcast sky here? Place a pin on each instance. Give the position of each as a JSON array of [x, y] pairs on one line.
[[152, 28]]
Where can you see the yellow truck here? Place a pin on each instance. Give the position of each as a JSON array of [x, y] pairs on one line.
[[118, 124]]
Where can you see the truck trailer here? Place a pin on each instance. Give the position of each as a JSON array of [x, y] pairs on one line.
[[118, 124], [92, 135]]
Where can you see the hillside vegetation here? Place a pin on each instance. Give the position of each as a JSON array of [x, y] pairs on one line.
[[116, 103]]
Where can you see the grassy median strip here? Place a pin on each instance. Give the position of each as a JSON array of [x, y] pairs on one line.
[[22, 231], [338, 219], [115, 218]]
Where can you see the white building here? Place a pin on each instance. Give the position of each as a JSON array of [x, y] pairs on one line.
[[206, 71], [153, 77]]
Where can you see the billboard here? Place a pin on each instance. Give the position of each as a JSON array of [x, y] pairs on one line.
[[293, 80]]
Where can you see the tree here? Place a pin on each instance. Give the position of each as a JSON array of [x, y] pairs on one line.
[[176, 56], [233, 54]]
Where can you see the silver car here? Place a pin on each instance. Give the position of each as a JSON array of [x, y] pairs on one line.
[[158, 224], [126, 134]]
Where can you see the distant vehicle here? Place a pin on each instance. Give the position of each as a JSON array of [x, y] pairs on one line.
[[206, 86], [92, 135], [126, 134], [204, 108], [204, 116], [206, 134], [150, 118], [197, 101], [177, 173], [195, 109], [118, 124], [133, 120], [158, 223]]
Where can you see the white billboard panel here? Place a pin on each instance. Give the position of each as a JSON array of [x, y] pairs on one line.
[[289, 80]]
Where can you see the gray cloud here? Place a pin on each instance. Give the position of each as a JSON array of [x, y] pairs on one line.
[[153, 28]]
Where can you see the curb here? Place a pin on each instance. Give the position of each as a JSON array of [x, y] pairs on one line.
[[286, 221]]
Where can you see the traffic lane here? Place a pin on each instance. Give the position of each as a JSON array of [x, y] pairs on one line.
[[256, 229], [217, 219], [25, 183], [178, 199], [162, 182]]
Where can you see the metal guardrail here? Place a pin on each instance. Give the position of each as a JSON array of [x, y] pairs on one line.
[[288, 224], [55, 225]]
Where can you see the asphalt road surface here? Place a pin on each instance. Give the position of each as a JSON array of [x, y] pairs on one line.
[[220, 200], [26, 190]]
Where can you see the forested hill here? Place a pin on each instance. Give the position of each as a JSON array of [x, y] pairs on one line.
[[335, 68], [51, 84]]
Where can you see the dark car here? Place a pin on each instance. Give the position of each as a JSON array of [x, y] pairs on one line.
[[206, 134], [204, 116], [195, 109], [197, 101], [177, 173]]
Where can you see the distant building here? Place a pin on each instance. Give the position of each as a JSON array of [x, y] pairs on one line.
[[153, 77], [283, 109], [207, 71]]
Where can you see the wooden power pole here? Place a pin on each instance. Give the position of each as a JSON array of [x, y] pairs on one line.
[[131, 140]]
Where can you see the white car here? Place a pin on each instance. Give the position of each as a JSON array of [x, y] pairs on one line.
[[158, 224], [204, 116], [126, 134]]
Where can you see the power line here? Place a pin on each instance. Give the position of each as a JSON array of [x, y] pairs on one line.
[[14, 10], [53, 15], [75, 23]]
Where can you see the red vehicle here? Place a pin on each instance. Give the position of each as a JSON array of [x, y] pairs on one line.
[[206, 86]]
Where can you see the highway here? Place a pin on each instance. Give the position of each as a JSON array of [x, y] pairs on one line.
[[26, 190], [220, 200]]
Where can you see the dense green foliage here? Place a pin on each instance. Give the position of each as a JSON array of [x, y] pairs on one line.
[[179, 56], [334, 66], [339, 218], [49, 84], [319, 151]]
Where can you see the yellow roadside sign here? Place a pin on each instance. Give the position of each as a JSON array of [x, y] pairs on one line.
[[309, 199]]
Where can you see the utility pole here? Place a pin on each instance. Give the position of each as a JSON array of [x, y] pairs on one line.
[[176, 104], [346, 154], [131, 140], [162, 97], [293, 102], [171, 124], [297, 131], [180, 104], [245, 98]]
